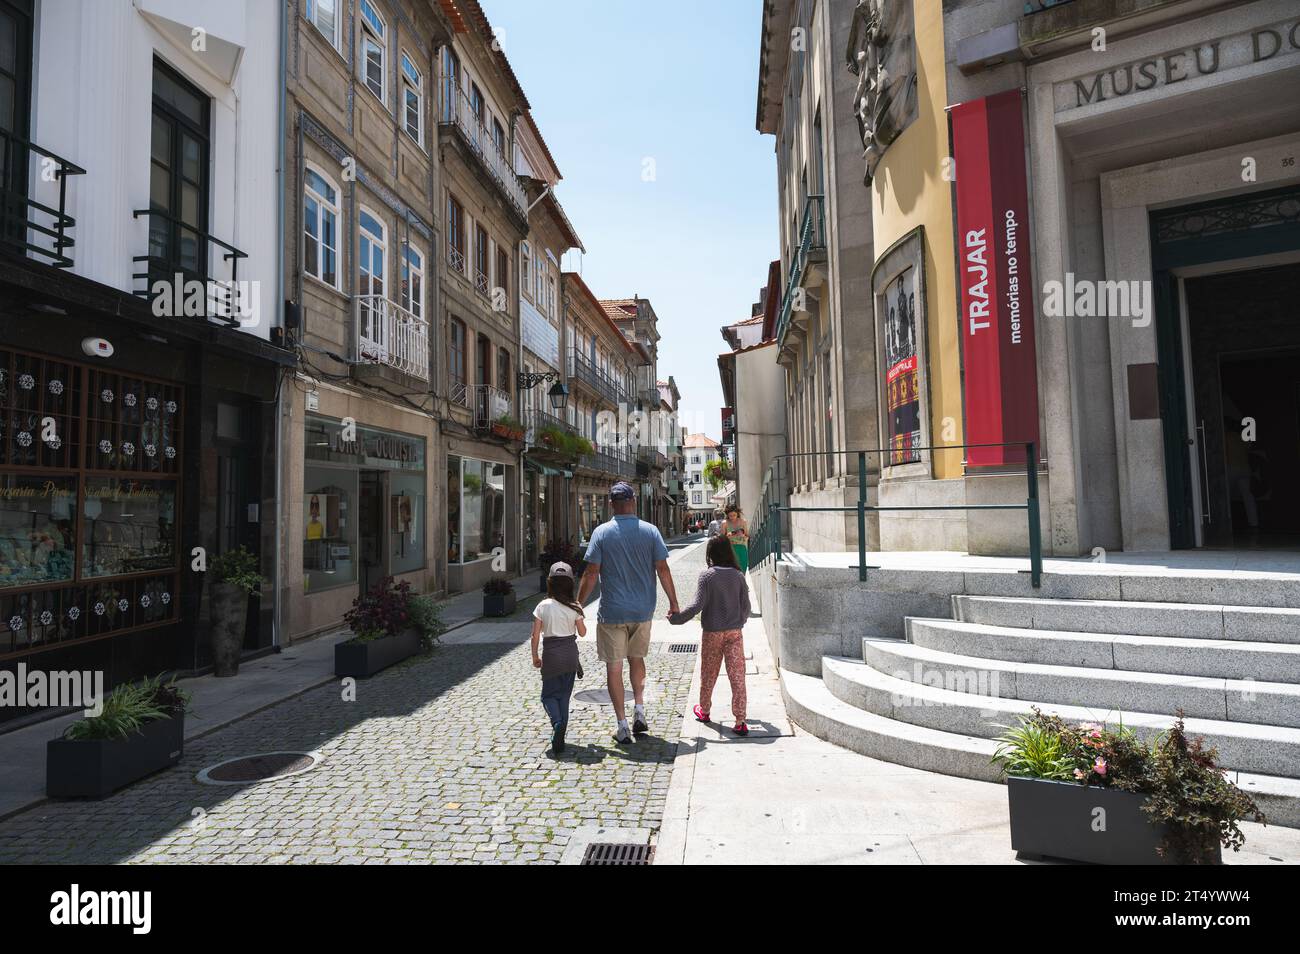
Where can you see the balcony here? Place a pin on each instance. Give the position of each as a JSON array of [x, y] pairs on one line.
[[487, 403], [27, 225], [390, 335], [812, 243], [651, 457], [455, 113], [600, 384], [180, 256]]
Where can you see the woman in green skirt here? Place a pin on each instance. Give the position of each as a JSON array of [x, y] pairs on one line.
[[736, 530]]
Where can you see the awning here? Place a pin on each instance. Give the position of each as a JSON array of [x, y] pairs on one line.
[[542, 469]]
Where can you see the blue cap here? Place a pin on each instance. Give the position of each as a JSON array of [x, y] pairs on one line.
[[622, 491]]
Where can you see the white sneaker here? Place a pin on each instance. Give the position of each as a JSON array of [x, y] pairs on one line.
[[624, 736]]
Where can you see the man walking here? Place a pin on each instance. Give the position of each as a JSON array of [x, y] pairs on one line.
[[626, 554], [715, 525]]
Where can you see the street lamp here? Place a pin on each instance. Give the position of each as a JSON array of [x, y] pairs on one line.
[[559, 395], [559, 392]]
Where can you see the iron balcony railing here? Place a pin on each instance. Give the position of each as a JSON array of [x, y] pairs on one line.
[[812, 238], [456, 112], [652, 456], [604, 460], [27, 225], [389, 334], [541, 419], [582, 370], [180, 255], [768, 540], [488, 403]]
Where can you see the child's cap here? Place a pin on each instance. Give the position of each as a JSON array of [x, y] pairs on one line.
[[561, 569]]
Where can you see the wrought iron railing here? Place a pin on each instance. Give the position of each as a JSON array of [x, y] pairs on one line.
[[24, 218], [455, 258], [582, 370], [768, 540], [456, 111], [812, 237], [488, 403], [389, 334], [180, 255]]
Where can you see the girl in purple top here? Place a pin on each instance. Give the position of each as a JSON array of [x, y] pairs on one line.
[[722, 600]]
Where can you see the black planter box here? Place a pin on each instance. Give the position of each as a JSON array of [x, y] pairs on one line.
[[363, 660], [498, 604], [1064, 820], [93, 768]]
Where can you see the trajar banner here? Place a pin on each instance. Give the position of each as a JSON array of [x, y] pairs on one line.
[[997, 301]]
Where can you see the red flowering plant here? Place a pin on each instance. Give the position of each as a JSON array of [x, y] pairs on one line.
[[385, 610]]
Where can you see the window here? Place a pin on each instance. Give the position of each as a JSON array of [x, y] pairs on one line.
[[372, 50], [550, 295], [412, 100], [450, 83], [456, 357], [476, 103], [503, 272], [503, 368], [373, 253], [413, 281], [480, 258], [320, 214], [476, 508], [524, 262], [455, 234], [323, 14], [178, 176], [499, 136]]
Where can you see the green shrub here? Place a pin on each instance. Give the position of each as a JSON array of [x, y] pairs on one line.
[[239, 567], [426, 616], [129, 707]]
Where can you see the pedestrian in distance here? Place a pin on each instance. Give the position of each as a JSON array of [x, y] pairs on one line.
[[557, 624], [736, 529], [722, 600], [715, 525], [625, 555]]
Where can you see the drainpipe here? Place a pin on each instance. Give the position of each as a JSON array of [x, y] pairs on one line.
[[280, 374]]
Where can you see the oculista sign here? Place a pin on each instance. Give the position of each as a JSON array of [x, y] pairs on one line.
[[997, 320]]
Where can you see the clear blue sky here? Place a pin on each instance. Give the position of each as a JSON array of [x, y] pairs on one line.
[[612, 82]]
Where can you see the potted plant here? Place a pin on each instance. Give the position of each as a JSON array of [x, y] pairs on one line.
[[507, 427], [141, 730], [498, 597], [384, 631], [426, 617], [235, 578], [1093, 793]]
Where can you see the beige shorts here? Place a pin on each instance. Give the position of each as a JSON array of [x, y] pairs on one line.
[[618, 641]]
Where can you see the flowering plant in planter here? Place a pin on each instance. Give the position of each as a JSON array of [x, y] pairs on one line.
[[385, 610], [507, 427], [1185, 792], [498, 586]]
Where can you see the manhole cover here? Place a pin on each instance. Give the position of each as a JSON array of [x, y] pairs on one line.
[[615, 853], [263, 767], [683, 648], [600, 697]]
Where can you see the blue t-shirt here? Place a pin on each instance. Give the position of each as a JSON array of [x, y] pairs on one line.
[[626, 549]]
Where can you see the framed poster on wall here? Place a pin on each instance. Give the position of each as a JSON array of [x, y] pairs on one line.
[[898, 287]]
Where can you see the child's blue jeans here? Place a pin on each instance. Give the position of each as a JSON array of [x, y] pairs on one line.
[[556, 691]]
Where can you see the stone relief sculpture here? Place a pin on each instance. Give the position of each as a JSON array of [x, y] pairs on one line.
[[882, 54]]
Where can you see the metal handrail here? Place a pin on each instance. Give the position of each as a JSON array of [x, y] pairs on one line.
[[459, 113], [766, 541], [160, 268], [389, 334], [16, 206], [811, 235], [581, 368]]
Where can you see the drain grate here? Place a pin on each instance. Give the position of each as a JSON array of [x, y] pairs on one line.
[[683, 648], [616, 853], [263, 767]]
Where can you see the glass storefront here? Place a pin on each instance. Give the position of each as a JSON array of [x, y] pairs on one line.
[[332, 528], [476, 508], [593, 509], [89, 498]]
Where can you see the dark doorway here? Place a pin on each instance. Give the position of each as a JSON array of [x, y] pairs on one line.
[[370, 528], [1244, 343]]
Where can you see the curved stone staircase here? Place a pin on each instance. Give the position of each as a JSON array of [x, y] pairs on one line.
[[936, 699]]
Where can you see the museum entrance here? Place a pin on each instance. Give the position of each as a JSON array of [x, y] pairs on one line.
[[1226, 278], [1244, 345]]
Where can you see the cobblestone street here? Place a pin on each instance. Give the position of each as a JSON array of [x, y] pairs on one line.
[[444, 758]]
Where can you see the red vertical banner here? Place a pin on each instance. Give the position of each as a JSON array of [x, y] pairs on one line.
[[997, 299]]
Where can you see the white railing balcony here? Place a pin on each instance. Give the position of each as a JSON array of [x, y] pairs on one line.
[[481, 282], [455, 258], [389, 334], [487, 403], [456, 111]]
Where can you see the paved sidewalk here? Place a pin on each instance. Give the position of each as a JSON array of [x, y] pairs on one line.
[[782, 796], [261, 682]]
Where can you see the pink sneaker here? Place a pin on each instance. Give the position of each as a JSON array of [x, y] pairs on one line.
[[700, 714], [740, 729]]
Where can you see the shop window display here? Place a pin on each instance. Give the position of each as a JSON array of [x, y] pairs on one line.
[[329, 532], [476, 508]]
